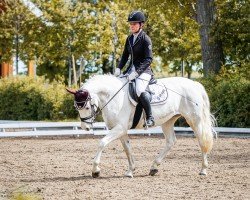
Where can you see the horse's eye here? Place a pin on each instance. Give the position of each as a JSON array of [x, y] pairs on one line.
[[87, 108]]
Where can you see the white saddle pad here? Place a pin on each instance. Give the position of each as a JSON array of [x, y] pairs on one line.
[[159, 94]]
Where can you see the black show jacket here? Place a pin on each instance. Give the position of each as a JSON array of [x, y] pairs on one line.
[[140, 52]]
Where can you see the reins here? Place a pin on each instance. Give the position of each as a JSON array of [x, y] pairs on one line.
[[112, 97], [94, 112]]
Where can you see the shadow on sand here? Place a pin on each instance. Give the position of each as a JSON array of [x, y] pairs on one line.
[[76, 178]]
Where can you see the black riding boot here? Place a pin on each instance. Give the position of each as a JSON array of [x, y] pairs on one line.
[[145, 101]]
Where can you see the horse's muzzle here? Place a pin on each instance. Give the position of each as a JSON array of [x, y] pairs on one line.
[[85, 126]]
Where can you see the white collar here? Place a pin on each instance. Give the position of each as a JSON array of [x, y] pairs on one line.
[[136, 34]]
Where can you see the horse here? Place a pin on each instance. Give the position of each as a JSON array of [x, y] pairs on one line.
[[186, 98]]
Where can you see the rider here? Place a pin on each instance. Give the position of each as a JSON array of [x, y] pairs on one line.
[[139, 46]]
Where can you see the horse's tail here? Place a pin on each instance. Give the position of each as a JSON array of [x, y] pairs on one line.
[[208, 122]]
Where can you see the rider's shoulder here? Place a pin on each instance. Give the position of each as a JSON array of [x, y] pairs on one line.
[[146, 37], [130, 35]]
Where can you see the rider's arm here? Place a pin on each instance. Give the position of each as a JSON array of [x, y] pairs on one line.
[[148, 55], [125, 56]]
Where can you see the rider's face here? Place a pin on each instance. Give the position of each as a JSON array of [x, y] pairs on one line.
[[134, 27]]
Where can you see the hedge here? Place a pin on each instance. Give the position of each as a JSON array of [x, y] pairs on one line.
[[24, 98], [230, 100]]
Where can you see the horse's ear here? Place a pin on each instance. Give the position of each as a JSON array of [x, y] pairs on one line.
[[72, 91]]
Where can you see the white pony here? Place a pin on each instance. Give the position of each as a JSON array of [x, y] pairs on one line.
[[186, 98]]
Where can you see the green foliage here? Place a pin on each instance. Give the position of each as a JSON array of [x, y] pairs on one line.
[[52, 71], [230, 100], [67, 108], [24, 98], [233, 30], [25, 196], [13, 24], [96, 31], [181, 39]]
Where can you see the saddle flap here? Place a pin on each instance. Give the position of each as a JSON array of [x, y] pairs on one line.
[[132, 93]]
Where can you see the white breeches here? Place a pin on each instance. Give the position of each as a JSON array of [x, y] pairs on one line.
[[140, 84]]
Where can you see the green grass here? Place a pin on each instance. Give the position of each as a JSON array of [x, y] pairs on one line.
[[25, 196]]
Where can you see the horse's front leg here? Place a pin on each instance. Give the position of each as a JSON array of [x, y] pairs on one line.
[[127, 148], [113, 134]]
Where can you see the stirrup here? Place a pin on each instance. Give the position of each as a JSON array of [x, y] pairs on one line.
[[149, 123]]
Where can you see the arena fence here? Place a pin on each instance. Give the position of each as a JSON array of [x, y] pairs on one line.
[[39, 129]]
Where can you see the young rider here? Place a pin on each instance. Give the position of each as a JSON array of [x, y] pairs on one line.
[[139, 46]]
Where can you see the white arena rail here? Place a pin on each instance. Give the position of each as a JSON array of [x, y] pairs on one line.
[[38, 129], [46, 125]]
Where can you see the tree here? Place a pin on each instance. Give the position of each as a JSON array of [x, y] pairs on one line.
[[233, 29], [95, 31], [13, 29], [66, 35], [211, 46]]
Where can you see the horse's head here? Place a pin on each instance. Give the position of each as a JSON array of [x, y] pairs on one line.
[[86, 106]]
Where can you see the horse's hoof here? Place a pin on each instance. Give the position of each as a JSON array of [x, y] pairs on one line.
[[153, 172], [203, 173], [95, 174], [129, 174]]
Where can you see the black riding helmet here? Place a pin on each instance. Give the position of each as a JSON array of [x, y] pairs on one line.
[[136, 16]]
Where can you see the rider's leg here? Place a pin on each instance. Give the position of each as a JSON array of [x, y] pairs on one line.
[[141, 84], [145, 101]]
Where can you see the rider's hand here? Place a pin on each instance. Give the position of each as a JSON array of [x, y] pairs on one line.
[[117, 72], [132, 76]]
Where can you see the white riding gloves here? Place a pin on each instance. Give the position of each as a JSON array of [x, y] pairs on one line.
[[132, 76], [117, 72]]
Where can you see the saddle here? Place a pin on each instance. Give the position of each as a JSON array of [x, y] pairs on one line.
[[158, 92]]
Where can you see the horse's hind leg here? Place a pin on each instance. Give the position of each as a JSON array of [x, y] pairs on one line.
[[197, 128], [204, 166], [127, 148], [198, 133], [169, 134]]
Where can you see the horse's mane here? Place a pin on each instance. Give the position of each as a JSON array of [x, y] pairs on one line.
[[102, 83]]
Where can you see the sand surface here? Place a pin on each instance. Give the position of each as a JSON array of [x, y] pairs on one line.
[[61, 169]]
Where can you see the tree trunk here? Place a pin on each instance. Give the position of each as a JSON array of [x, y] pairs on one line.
[[212, 52], [189, 69], [105, 67]]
